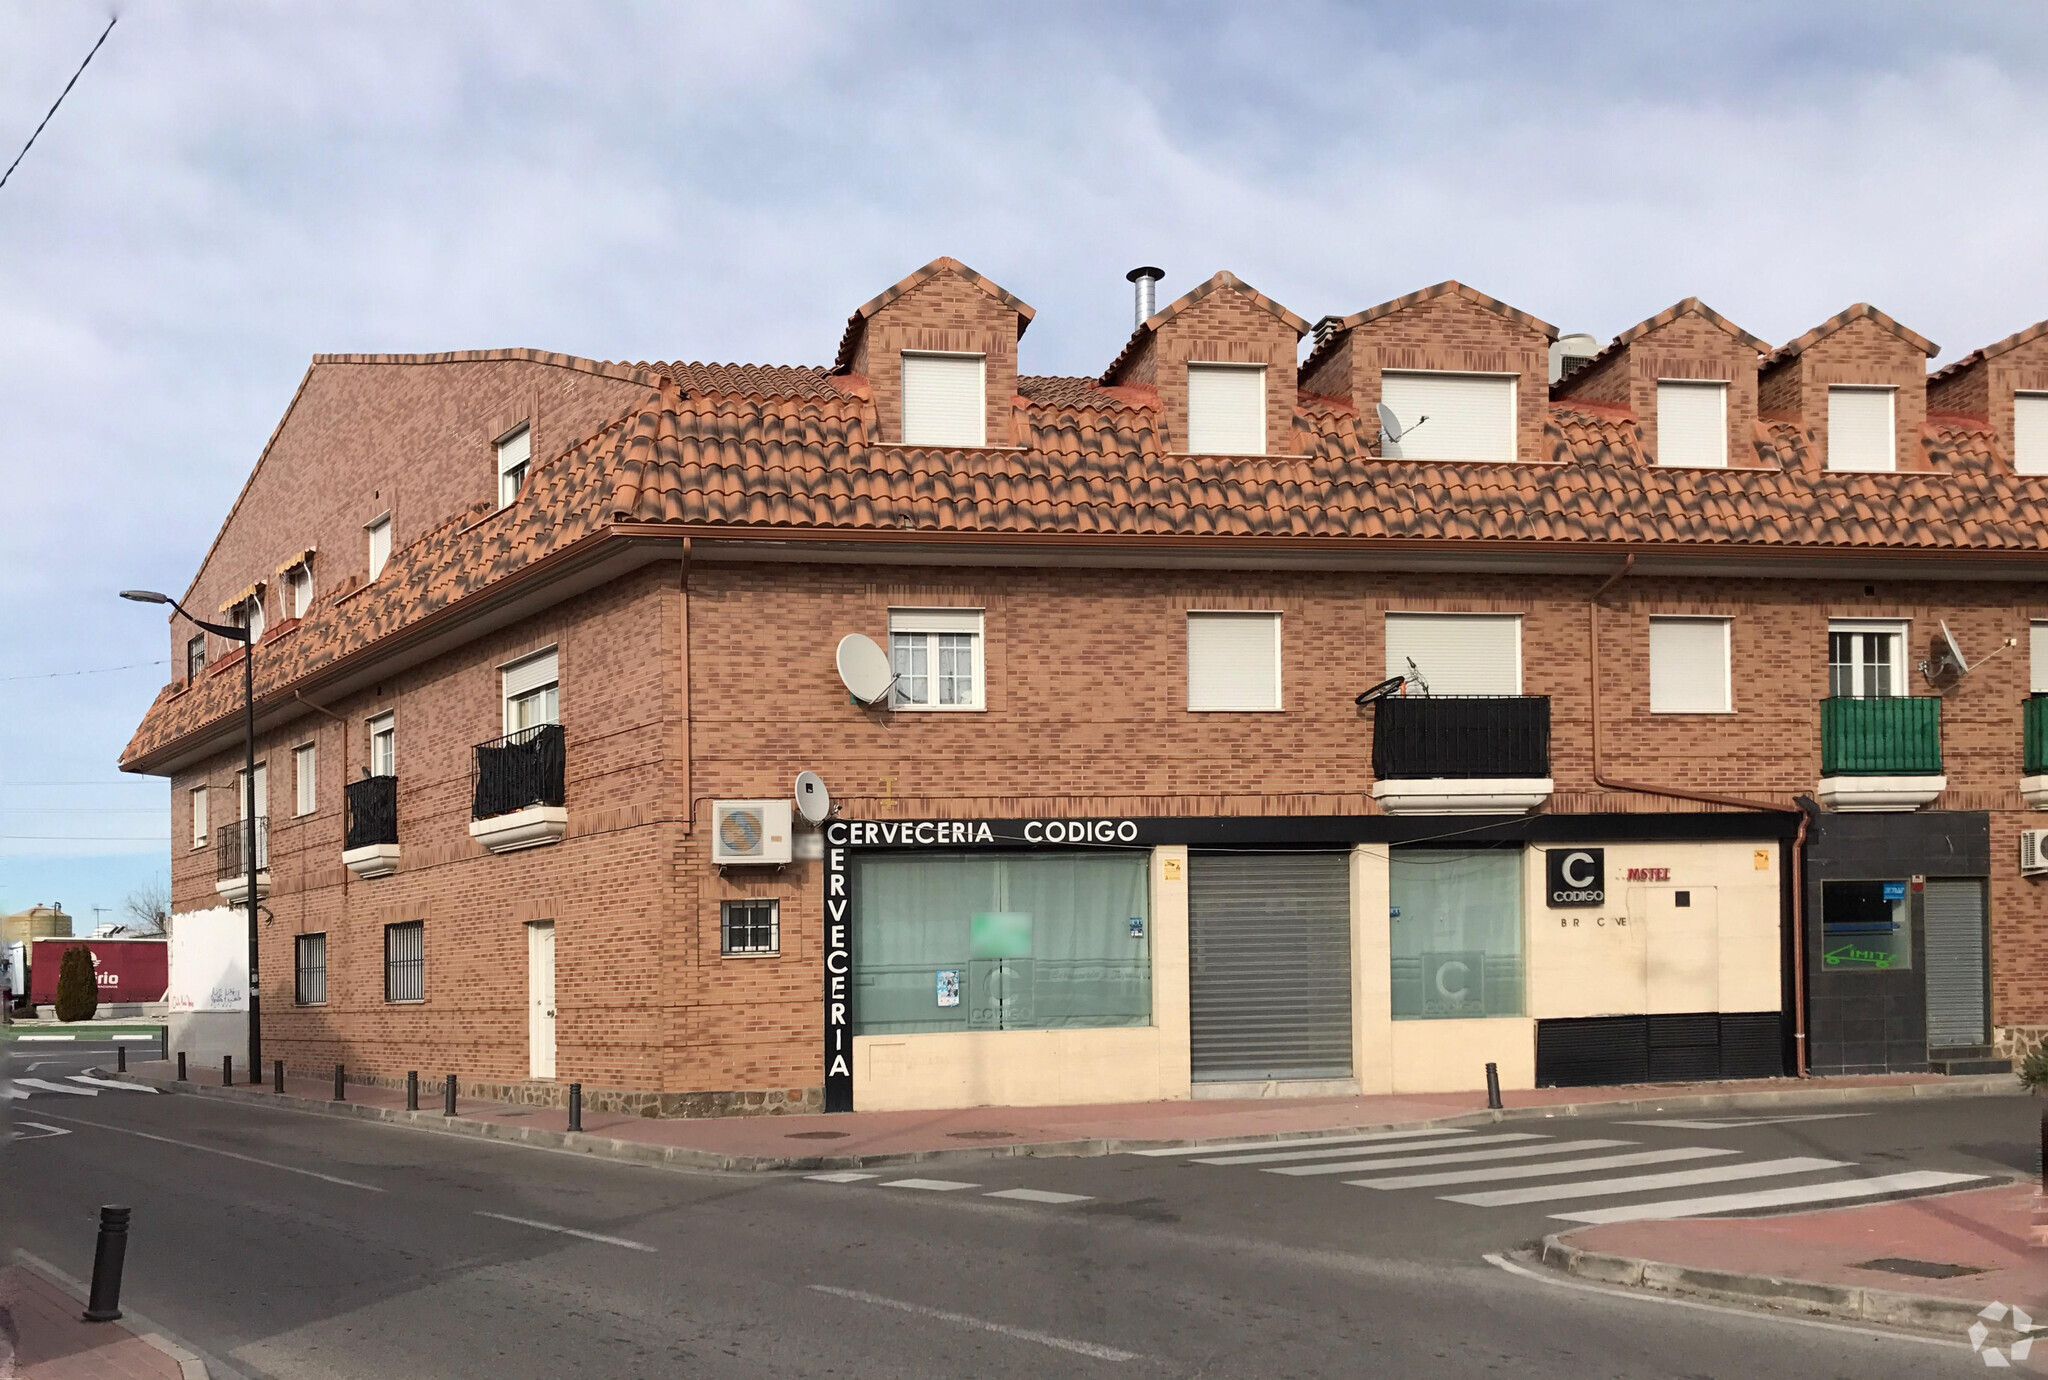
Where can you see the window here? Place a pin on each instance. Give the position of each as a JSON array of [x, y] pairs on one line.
[[1866, 659], [1001, 941], [303, 772], [309, 961], [299, 588], [379, 533], [383, 746], [1456, 927], [249, 614], [1456, 653], [750, 927], [405, 961], [1860, 435], [2030, 432], [1469, 416], [1227, 409], [1689, 671], [2037, 651], [1692, 424], [1233, 662], [262, 792], [195, 657], [198, 795], [945, 400], [515, 450], [531, 691], [936, 654], [1865, 926]]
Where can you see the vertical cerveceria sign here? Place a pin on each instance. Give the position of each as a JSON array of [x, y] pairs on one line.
[[838, 972]]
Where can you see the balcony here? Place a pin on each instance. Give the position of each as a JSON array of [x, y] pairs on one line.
[[370, 843], [2034, 757], [230, 871], [516, 790], [1461, 754], [1880, 753]]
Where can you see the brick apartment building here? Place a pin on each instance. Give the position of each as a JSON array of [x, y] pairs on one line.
[[1708, 729]]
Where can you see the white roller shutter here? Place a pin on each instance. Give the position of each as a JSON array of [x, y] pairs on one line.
[[1458, 653], [2030, 432], [1233, 661], [530, 673], [935, 620], [1954, 925], [1860, 435], [2038, 649], [1471, 416], [1688, 665], [1692, 424], [1226, 409], [945, 400]]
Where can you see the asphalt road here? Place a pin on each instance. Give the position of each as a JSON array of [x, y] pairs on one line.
[[293, 1245]]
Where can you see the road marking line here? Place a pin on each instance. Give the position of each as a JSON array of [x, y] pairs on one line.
[[1342, 1150], [930, 1185], [844, 1176], [1737, 1123], [44, 1085], [1506, 1152], [1280, 1142], [1538, 1171], [9, 1091], [136, 1039], [1038, 1195], [42, 1039], [210, 1150], [108, 1083], [1643, 1183], [571, 1231], [53, 1131], [1022, 1334], [1773, 1197]]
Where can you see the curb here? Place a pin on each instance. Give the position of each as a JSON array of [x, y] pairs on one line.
[[684, 1157], [1842, 1302], [191, 1366]]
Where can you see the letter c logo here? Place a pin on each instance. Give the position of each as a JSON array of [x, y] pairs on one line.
[[1576, 870]]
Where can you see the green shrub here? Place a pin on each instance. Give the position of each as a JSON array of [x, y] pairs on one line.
[[78, 992], [2034, 1069]]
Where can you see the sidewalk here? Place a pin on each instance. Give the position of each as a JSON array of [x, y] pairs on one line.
[[49, 1340], [851, 1139]]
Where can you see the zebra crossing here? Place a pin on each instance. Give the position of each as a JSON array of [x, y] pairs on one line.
[[1577, 1170], [19, 1089]]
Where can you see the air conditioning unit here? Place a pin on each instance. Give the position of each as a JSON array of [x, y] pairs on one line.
[[2033, 851], [750, 833]]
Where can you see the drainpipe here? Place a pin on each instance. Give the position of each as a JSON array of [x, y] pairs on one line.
[[343, 774], [1798, 860]]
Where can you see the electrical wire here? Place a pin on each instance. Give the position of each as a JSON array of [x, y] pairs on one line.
[[59, 101], [95, 671]]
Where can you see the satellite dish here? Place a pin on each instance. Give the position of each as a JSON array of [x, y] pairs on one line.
[[1391, 429], [864, 668], [1949, 654], [813, 801]]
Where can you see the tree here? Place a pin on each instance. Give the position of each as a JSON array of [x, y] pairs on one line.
[[78, 991], [148, 907]]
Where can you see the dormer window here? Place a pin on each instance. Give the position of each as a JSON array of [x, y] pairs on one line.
[[1861, 434], [1447, 416], [298, 588], [1226, 409], [1692, 424], [515, 453], [249, 614], [945, 399], [2030, 432], [379, 534], [195, 657]]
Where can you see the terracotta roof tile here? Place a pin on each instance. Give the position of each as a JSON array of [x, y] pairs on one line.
[[1222, 278], [1859, 311], [1992, 351], [1648, 324], [856, 323]]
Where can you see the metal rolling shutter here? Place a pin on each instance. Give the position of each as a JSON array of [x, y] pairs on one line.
[[1458, 653], [1860, 435], [1692, 424], [1955, 964], [945, 400], [1270, 975], [2030, 433], [1226, 409], [1471, 416]]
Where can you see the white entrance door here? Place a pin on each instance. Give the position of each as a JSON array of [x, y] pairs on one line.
[[540, 997]]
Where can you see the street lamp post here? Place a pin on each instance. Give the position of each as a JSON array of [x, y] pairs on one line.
[[242, 635]]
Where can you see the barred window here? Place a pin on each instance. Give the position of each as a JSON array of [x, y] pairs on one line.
[[310, 953], [751, 927], [405, 961]]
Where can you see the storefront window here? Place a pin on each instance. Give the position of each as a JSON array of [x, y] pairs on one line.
[[1457, 933], [1001, 941], [1865, 926]]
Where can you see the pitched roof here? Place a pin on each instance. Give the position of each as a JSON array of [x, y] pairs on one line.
[[1991, 351], [857, 323], [1222, 278], [1449, 287], [1663, 318], [1859, 311], [750, 380]]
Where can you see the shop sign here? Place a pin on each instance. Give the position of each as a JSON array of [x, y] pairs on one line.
[[839, 972], [966, 833], [1575, 877]]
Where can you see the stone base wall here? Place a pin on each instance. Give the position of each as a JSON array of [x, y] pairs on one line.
[[774, 1102], [2016, 1042]]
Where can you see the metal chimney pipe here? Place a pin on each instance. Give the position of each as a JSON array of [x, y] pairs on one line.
[[1147, 281]]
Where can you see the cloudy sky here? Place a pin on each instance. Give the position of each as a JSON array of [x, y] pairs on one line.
[[233, 187]]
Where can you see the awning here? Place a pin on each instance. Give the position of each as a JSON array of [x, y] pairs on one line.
[[303, 558], [244, 597]]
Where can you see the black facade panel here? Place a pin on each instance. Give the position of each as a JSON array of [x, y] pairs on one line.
[[1689, 1047], [1598, 1052], [1752, 1045]]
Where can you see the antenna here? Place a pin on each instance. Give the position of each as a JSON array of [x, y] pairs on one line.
[[864, 669], [813, 801], [1391, 430]]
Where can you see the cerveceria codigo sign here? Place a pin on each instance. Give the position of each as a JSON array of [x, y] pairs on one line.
[[1575, 877]]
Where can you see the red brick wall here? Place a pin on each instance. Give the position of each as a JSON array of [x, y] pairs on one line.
[[1964, 391], [1605, 382], [1225, 327], [1692, 347], [1456, 333], [943, 313]]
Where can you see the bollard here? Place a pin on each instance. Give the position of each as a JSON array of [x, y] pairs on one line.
[[181, 1066], [1493, 1087], [227, 1070], [448, 1097], [575, 1106], [340, 1083], [120, 1058], [163, 1042], [107, 1258], [277, 1076], [412, 1090]]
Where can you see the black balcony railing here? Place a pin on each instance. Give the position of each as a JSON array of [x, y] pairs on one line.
[[1460, 737], [516, 771], [1881, 736], [372, 812], [228, 864]]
